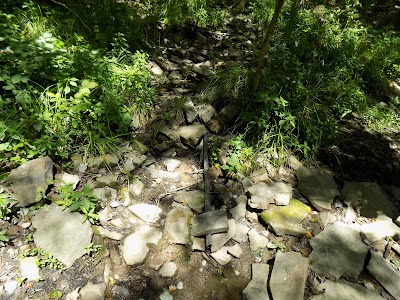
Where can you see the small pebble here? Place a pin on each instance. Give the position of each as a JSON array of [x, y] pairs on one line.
[[237, 273], [179, 286], [204, 263], [114, 204], [201, 270]]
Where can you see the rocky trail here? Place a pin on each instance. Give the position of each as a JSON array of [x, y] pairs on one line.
[[294, 233]]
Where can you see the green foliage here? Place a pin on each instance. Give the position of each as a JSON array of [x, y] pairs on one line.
[[5, 204], [44, 259], [3, 236], [60, 94], [93, 250], [55, 294], [82, 201]]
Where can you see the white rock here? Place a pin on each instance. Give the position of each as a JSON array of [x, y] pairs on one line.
[[147, 212], [168, 269], [29, 268], [179, 286], [257, 241], [10, 286], [166, 296], [221, 256], [235, 250], [66, 178], [171, 164], [383, 227]]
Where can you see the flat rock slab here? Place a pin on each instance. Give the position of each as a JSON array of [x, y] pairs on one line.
[[147, 212], [168, 269], [66, 178], [241, 233], [239, 211], [370, 198], [318, 186], [286, 219], [221, 256], [61, 233], [157, 173], [29, 178], [257, 241], [385, 274], [210, 222], [263, 194], [343, 290], [105, 194], [382, 228], [177, 226], [92, 291], [256, 289], [134, 249], [288, 277], [338, 251], [194, 199], [220, 239], [192, 134]]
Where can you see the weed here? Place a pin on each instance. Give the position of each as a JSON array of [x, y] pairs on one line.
[[44, 259]]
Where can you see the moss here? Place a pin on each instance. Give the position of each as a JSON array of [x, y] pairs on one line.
[[295, 211]]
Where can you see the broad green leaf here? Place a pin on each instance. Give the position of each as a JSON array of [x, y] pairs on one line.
[[89, 84]]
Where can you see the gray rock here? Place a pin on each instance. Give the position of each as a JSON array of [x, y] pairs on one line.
[[170, 133], [210, 222], [221, 256], [194, 199], [394, 88], [135, 157], [343, 290], [287, 219], [107, 233], [175, 75], [288, 277], [120, 293], [241, 233], [139, 147], [92, 291], [384, 273], [199, 244], [382, 228], [327, 218], [239, 211], [235, 250], [205, 112], [370, 197], [190, 111], [110, 180], [242, 199], [263, 194], [338, 251], [228, 113], [257, 241], [147, 212], [177, 226], [247, 182], [192, 134], [105, 194], [155, 69], [66, 178], [110, 160], [318, 186], [58, 232], [30, 178], [171, 164], [256, 289], [134, 249], [157, 173], [95, 162], [202, 69], [260, 175], [136, 187], [220, 239], [168, 269], [251, 216]]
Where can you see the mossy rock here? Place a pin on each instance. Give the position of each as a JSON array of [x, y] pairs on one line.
[[286, 219]]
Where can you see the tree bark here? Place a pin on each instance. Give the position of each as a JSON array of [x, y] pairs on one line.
[[265, 46]]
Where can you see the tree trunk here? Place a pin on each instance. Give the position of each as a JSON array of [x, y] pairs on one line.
[[265, 46]]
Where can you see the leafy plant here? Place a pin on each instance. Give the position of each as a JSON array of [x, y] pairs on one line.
[[5, 204], [3, 236], [92, 250], [83, 201], [55, 294], [44, 259], [240, 157]]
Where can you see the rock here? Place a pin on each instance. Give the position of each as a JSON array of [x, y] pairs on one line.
[[155, 69], [241, 233], [170, 133], [286, 219], [168, 269], [257, 241], [370, 197], [177, 226], [105, 194], [247, 183], [120, 293], [29, 179], [166, 296], [199, 244], [95, 162], [210, 222], [171, 164], [384, 273], [134, 249], [338, 251], [135, 157], [256, 289], [92, 291], [228, 113], [58, 231], [260, 175], [139, 147], [110, 160], [107, 233], [157, 173], [108, 180], [382, 228], [205, 112], [318, 186], [136, 187], [175, 75], [394, 88], [147, 212], [239, 211], [220, 239], [28, 268], [194, 199], [263, 194], [235, 250], [66, 178], [190, 111], [221, 256], [202, 69], [192, 134], [252, 216], [242, 199], [343, 290], [327, 218], [288, 277]]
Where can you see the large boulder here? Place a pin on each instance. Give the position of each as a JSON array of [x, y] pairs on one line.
[[30, 178]]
